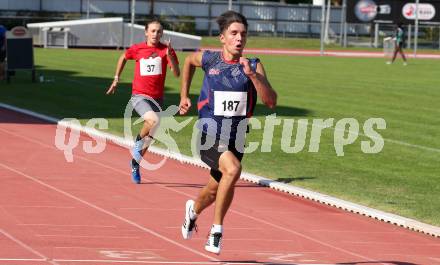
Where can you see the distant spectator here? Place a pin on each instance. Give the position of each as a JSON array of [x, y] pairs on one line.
[[399, 38], [2, 51]]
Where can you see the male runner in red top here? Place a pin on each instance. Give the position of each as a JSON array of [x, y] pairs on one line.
[[152, 58]]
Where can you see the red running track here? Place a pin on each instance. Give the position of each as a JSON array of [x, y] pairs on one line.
[[89, 212]]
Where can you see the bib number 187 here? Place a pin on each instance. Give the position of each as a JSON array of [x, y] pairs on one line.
[[230, 103]]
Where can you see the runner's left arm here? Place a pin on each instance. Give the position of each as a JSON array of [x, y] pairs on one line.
[[262, 85], [172, 59]]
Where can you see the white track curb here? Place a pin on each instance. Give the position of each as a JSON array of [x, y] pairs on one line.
[[300, 192]]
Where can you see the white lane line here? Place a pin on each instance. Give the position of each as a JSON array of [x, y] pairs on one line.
[[190, 196], [90, 236], [265, 182], [184, 262], [28, 248], [432, 149], [435, 259], [426, 148], [229, 228], [150, 209], [305, 236], [115, 249], [37, 206], [259, 239], [59, 225], [6, 259], [391, 243], [91, 205], [258, 220]]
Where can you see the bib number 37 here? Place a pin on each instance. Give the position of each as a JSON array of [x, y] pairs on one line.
[[151, 66], [230, 104]]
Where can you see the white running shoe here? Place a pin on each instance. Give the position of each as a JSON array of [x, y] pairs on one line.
[[388, 62], [214, 243], [405, 63], [189, 225]]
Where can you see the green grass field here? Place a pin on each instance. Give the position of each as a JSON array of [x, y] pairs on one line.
[[403, 178]]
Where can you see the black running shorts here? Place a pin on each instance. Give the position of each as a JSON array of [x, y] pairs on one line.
[[2, 55], [212, 155]]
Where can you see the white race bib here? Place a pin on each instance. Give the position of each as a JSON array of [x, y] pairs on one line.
[[151, 66], [230, 104]]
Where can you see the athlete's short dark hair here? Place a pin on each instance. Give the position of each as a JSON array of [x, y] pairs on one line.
[[229, 17], [153, 20]]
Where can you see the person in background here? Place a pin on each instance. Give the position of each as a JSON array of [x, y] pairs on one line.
[[399, 41]]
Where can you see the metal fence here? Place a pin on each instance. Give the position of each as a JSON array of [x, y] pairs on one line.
[[198, 17], [263, 17]]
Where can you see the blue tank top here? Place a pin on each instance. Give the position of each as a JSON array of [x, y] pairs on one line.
[[227, 98]]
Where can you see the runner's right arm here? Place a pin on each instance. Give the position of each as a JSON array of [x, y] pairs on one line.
[[189, 67], [119, 69]]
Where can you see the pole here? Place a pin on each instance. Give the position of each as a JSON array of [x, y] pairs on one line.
[[416, 29], [230, 5], [322, 26], [88, 9], [133, 11], [327, 23], [345, 30], [376, 35], [341, 27]]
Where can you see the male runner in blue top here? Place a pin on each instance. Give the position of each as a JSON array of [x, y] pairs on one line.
[[226, 101]]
